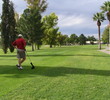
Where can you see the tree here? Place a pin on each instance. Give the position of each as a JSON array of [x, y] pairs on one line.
[[105, 35], [82, 39], [99, 17], [0, 27], [73, 39], [51, 29], [66, 40], [0, 24], [41, 5], [30, 26], [91, 39], [16, 17], [106, 9], [60, 39], [5, 28], [8, 26], [12, 24]]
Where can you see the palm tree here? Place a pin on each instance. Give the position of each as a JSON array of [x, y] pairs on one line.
[[106, 9], [99, 17]]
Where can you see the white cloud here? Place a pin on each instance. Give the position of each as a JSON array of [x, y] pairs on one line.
[[76, 21], [75, 16], [68, 21]]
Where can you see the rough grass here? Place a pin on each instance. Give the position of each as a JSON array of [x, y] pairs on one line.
[[66, 73]]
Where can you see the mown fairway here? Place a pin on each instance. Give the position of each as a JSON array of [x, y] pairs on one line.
[[66, 73]]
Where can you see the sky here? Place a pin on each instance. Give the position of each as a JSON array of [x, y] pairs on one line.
[[74, 16]]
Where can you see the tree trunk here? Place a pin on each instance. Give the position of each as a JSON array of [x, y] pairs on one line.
[[99, 38], [35, 46], [109, 38], [32, 47], [50, 45], [38, 47]]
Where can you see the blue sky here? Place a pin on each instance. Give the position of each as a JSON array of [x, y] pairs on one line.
[[75, 16]]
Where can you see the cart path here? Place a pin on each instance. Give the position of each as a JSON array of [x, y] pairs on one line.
[[105, 51]]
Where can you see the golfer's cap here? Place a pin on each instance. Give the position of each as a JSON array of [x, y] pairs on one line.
[[20, 35]]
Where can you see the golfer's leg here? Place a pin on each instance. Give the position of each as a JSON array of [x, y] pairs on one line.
[[19, 62], [23, 57], [22, 60]]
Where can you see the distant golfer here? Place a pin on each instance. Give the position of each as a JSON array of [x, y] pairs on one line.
[[20, 45]]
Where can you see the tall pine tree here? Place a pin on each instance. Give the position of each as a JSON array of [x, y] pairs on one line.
[[5, 25], [12, 22]]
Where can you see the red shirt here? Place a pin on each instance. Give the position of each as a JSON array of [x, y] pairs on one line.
[[20, 43]]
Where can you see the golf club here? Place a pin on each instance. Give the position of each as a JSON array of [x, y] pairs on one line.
[[33, 67]]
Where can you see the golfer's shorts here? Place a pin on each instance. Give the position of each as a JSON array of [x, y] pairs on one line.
[[21, 54]]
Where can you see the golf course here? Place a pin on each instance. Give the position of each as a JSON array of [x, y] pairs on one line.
[[61, 73], [54, 50]]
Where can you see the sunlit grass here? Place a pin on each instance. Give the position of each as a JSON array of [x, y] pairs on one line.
[[66, 73]]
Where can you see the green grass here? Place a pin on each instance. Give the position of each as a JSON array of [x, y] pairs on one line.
[[66, 73]]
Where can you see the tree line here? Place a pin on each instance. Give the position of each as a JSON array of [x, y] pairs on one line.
[[34, 27]]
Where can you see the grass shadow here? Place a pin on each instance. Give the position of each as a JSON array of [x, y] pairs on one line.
[[12, 72], [70, 55], [46, 55]]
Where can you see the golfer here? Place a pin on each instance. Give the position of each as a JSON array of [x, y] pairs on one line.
[[20, 45]]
